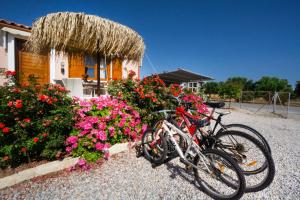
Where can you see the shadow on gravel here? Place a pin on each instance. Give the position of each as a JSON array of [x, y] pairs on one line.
[[177, 170]]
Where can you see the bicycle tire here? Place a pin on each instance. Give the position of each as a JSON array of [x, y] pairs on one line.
[[149, 152], [257, 134], [172, 152], [234, 166], [270, 166]]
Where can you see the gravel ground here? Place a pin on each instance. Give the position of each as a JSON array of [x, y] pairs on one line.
[[128, 177]]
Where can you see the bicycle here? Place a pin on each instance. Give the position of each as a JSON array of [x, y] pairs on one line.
[[212, 162], [226, 140], [235, 149]]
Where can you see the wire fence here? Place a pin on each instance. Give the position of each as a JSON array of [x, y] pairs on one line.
[[263, 102], [277, 103]]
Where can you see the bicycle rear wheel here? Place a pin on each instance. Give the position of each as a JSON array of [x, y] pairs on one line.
[[154, 146], [249, 130], [218, 175], [180, 140], [255, 161]]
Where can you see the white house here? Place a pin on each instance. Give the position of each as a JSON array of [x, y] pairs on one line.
[[52, 65]]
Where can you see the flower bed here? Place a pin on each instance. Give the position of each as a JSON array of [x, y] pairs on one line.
[[42, 122], [151, 94], [34, 121], [100, 123]]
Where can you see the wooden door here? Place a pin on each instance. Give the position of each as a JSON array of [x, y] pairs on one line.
[[33, 64]]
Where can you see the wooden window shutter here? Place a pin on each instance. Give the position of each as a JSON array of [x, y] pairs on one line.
[[117, 69], [76, 66]]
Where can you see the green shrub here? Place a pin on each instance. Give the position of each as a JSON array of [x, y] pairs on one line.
[[34, 121], [150, 95]]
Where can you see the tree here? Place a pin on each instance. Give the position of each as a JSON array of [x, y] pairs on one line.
[[239, 82], [297, 89], [249, 86], [244, 84], [211, 88], [273, 84], [230, 90]]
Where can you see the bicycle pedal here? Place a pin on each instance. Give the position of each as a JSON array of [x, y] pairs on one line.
[[188, 168], [182, 160]]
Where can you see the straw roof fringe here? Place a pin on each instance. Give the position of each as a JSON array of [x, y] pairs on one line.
[[81, 33]]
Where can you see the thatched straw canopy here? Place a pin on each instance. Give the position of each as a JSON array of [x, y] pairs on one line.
[[81, 33]]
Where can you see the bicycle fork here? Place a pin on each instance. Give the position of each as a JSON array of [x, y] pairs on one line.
[[170, 132]]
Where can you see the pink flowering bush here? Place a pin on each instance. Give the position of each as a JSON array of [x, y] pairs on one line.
[[197, 102], [100, 123]]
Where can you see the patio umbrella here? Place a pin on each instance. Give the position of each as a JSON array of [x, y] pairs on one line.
[[79, 33]]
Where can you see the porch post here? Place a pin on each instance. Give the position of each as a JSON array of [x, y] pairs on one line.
[[111, 68], [11, 65], [98, 74], [52, 65]]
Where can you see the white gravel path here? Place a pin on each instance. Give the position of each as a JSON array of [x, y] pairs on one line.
[[128, 177]]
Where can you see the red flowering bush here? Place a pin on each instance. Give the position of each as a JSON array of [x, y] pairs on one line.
[[34, 121], [100, 123], [145, 96], [175, 89], [151, 94]]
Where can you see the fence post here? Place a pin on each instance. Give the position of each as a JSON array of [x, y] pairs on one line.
[[241, 98], [274, 102], [270, 100], [288, 108]]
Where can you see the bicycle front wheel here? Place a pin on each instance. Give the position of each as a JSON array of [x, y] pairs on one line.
[[218, 175], [154, 146], [249, 130], [255, 161]]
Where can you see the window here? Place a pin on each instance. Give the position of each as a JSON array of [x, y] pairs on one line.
[[90, 66], [193, 86], [90, 72]]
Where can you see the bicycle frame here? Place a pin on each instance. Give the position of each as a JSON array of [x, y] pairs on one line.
[[171, 130], [185, 114], [208, 118]]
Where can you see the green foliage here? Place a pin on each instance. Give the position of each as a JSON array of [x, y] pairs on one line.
[[297, 89], [211, 88], [145, 96], [233, 86], [273, 84], [238, 82], [34, 121], [242, 83], [150, 95], [230, 90]]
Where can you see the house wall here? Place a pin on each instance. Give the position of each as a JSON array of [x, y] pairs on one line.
[[11, 59], [3, 56], [3, 64], [61, 62], [7, 48], [59, 66], [130, 65], [198, 87]]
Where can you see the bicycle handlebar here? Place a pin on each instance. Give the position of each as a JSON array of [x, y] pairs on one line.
[[165, 112]]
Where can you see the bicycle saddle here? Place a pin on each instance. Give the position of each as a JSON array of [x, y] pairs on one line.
[[215, 104], [199, 122]]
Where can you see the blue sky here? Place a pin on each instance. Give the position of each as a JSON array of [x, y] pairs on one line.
[[215, 38]]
